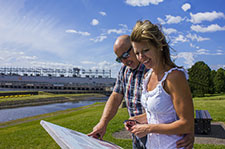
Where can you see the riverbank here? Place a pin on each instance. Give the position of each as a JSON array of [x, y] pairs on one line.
[[43, 100], [43, 116], [29, 133]]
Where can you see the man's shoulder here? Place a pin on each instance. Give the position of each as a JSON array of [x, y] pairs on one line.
[[141, 69]]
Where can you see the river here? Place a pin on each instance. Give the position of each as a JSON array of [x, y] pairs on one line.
[[22, 112]]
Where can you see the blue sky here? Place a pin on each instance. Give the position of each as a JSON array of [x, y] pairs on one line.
[[81, 33]]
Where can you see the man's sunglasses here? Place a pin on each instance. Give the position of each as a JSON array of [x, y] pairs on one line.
[[124, 55]]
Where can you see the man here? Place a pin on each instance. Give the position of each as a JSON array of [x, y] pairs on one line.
[[128, 86]]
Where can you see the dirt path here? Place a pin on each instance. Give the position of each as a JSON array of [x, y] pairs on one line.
[[217, 135]]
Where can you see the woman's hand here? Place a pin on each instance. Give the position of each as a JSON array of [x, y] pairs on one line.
[[140, 130]]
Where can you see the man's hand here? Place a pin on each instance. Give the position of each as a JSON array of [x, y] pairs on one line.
[[109, 112], [142, 119], [129, 123], [187, 141], [98, 131]]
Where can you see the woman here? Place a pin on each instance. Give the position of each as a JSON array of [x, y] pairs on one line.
[[166, 95]]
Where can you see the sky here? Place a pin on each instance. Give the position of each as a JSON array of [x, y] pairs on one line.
[[81, 33]]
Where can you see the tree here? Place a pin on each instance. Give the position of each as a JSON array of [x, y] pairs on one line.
[[212, 89], [199, 78], [219, 80]]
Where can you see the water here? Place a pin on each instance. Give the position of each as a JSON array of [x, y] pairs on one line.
[[22, 112]]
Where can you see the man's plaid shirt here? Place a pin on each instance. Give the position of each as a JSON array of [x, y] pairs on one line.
[[129, 83]]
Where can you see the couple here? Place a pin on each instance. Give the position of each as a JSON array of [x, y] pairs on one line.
[[162, 108]]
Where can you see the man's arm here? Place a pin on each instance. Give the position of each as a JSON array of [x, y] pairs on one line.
[[187, 141], [109, 112]]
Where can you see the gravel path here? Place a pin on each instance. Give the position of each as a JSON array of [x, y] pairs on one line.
[[217, 135]]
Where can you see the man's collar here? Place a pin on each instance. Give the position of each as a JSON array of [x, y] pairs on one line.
[[138, 68]]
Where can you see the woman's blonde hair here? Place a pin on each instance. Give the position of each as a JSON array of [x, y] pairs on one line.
[[146, 31]]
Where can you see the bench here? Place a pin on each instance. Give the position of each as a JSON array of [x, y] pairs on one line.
[[202, 122]]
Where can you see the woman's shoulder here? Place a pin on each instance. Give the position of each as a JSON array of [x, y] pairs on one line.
[[177, 74], [175, 81]]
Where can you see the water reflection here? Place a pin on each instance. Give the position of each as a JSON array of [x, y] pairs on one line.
[[22, 112]]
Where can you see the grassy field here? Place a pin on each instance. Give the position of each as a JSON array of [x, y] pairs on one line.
[[215, 104], [30, 135]]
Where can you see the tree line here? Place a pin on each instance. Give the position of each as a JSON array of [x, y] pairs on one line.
[[203, 80]]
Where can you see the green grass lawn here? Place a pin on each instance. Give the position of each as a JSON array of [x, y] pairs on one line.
[[30, 135], [214, 104]]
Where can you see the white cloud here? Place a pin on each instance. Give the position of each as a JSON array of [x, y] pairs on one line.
[[13, 58], [186, 6], [143, 2], [207, 52], [216, 67], [170, 20], [169, 30], [99, 38], [124, 26], [117, 31], [188, 58], [88, 62], [94, 22], [206, 16], [122, 30], [29, 57], [196, 37], [220, 51], [104, 64], [78, 32], [173, 19], [211, 28], [202, 52], [194, 46], [114, 67], [102, 13], [53, 65], [33, 32], [180, 38], [9, 56], [161, 21]]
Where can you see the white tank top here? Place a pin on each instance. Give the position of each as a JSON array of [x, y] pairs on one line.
[[159, 108]]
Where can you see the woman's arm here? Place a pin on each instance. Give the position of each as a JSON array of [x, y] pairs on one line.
[[140, 118], [177, 86]]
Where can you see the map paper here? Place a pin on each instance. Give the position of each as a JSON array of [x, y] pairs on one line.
[[70, 139]]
